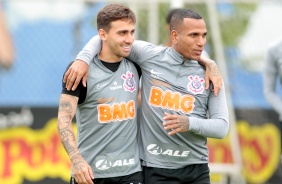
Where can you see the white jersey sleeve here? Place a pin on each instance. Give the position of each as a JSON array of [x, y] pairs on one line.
[[137, 53], [217, 125], [91, 49]]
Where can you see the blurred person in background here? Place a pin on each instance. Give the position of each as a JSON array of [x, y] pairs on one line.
[[272, 73], [6, 46], [168, 42], [174, 123], [106, 151]]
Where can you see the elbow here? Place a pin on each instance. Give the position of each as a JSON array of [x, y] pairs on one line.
[[223, 135], [224, 131]]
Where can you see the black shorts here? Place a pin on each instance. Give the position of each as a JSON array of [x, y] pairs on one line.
[[135, 178], [192, 174]]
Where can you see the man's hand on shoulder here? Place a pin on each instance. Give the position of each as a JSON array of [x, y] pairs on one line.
[[77, 71], [212, 74]]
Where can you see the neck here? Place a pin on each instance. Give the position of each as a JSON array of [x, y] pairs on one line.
[[108, 57], [184, 58], [168, 43]]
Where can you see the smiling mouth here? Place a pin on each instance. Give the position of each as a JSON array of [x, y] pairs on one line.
[[199, 51], [127, 48]]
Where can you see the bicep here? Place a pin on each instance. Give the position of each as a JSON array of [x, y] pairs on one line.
[[217, 105], [135, 52], [67, 106], [140, 51]]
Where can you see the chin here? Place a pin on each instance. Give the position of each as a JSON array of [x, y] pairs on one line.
[[125, 55], [197, 58], [194, 58]]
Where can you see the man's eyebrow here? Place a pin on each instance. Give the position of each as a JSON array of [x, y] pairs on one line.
[[119, 31]]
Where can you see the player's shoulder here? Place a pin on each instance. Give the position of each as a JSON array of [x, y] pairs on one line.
[[148, 47], [133, 66], [129, 62]]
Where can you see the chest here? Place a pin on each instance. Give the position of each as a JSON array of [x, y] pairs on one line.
[[176, 77], [104, 86]]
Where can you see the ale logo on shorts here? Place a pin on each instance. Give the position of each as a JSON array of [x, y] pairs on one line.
[[129, 82], [195, 85], [104, 164], [155, 149]]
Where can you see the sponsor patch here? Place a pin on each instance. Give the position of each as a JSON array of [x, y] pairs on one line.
[[115, 86], [100, 86]]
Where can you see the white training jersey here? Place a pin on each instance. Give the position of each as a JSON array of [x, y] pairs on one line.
[[107, 120], [176, 86]]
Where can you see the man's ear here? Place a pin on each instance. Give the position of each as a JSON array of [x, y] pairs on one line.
[[173, 36], [102, 34]]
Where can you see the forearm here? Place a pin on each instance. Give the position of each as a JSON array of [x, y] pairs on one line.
[[204, 61], [208, 63], [212, 128], [91, 49], [67, 108], [80, 168], [217, 125]]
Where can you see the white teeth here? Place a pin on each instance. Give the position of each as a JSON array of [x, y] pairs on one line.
[[126, 48]]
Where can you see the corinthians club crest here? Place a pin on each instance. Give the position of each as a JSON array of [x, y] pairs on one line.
[[196, 84], [129, 82]]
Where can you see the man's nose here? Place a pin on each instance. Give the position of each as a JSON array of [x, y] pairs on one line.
[[129, 38], [201, 41]]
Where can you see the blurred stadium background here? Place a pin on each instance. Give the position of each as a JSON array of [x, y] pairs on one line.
[[46, 35]]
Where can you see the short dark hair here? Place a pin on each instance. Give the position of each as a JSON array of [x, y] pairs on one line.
[[169, 15], [113, 12], [179, 15]]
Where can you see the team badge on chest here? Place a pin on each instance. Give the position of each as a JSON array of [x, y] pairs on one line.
[[195, 85], [128, 81]]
